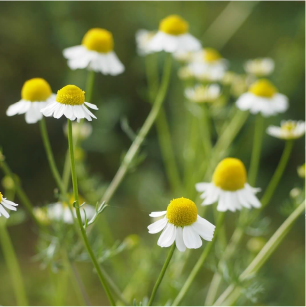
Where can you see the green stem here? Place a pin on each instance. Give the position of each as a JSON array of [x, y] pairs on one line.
[[199, 263], [205, 129], [232, 293], [161, 275], [77, 209], [257, 144], [13, 266], [66, 172]]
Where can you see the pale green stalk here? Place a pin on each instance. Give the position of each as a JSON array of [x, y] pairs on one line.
[[77, 209], [161, 275], [205, 131]]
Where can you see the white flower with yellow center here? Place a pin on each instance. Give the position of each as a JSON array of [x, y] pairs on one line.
[[229, 187], [143, 39], [260, 67], [96, 53], [6, 204], [70, 101], [182, 224], [173, 36], [263, 98], [203, 93], [208, 65], [289, 130], [35, 95]]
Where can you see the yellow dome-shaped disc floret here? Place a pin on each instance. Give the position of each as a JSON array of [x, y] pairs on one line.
[[173, 25], [230, 175], [36, 89], [182, 212], [263, 88], [211, 55], [1, 197], [99, 40], [70, 94]]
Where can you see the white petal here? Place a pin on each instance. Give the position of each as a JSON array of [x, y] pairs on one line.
[[3, 212], [167, 237], [202, 186], [91, 105], [157, 213], [158, 226], [209, 227], [203, 231], [19, 107], [191, 238], [33, 115], [179, 239]]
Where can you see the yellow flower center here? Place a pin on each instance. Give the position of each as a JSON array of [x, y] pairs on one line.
[[288, 126], [230, 175], [36, 89], [99, 40], [173, 25], [263, 88], [71, 201], [1, 197], [182, 212], [70, 94], [211, 55]]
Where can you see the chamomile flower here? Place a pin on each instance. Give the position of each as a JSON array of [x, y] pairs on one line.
[[260, 67], [182, 224], [208, 65], [6, 204], [35, 95], [173, 36], [96, 53], [262, 97], [70, 101], [289, 130], [229, 187], [203, 93], [143, 39]]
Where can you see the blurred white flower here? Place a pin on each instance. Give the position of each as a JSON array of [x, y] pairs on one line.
[[183, 56], [96, 53], [260, 67], [289, 130], [184, 73], [182, 224], [143, 39], [6, 204], [229, 187], [80, 132], [263, 98], [173, 36], [70, 101], [35, 95], [203, 93]]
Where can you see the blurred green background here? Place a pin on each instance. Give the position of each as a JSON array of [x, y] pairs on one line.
[[32, 37]]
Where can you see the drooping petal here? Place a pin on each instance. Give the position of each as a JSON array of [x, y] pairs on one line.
[[157, 213], [179, 239], [157, 226], [191, 238], [168, 236]]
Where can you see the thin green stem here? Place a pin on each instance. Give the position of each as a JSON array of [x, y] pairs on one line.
[[256, 151], [205, 129], [13, 266], [77, 209], [161, 274]]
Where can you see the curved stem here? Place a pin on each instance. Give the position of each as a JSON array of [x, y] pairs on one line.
[[161, 275], [77, 209]]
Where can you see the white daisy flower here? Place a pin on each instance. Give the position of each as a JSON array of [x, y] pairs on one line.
[[260, 67], [173, 36], [263, 98], [203, 93], [35, 95], [182, 224], [96, 53], [143, 39], [70, 101], [6, 204], [229, 187], [289, 130], [208, 65]]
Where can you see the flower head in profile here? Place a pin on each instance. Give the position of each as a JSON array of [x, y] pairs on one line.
[[229, 187], [260, 67], [35, 95], [6, 204], [203, 93], [143, 39], [70, 101], [173, 36], [262, 97], [182, 224], [289, 130], [95, 53]]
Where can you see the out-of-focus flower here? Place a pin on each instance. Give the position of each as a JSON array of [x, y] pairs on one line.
[[8, 182], [96, 53], [301, 171], [229, 187], [173, 36], [35, 95], [42, 215], [70, 101], [4, 203], [203, 93], [289, 130], [183, 57], [184, 73], [208, 65], [182, 224], [143, 39], [239, 85], [263, 98], [80, 132], [254, 245], [260, 67]]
